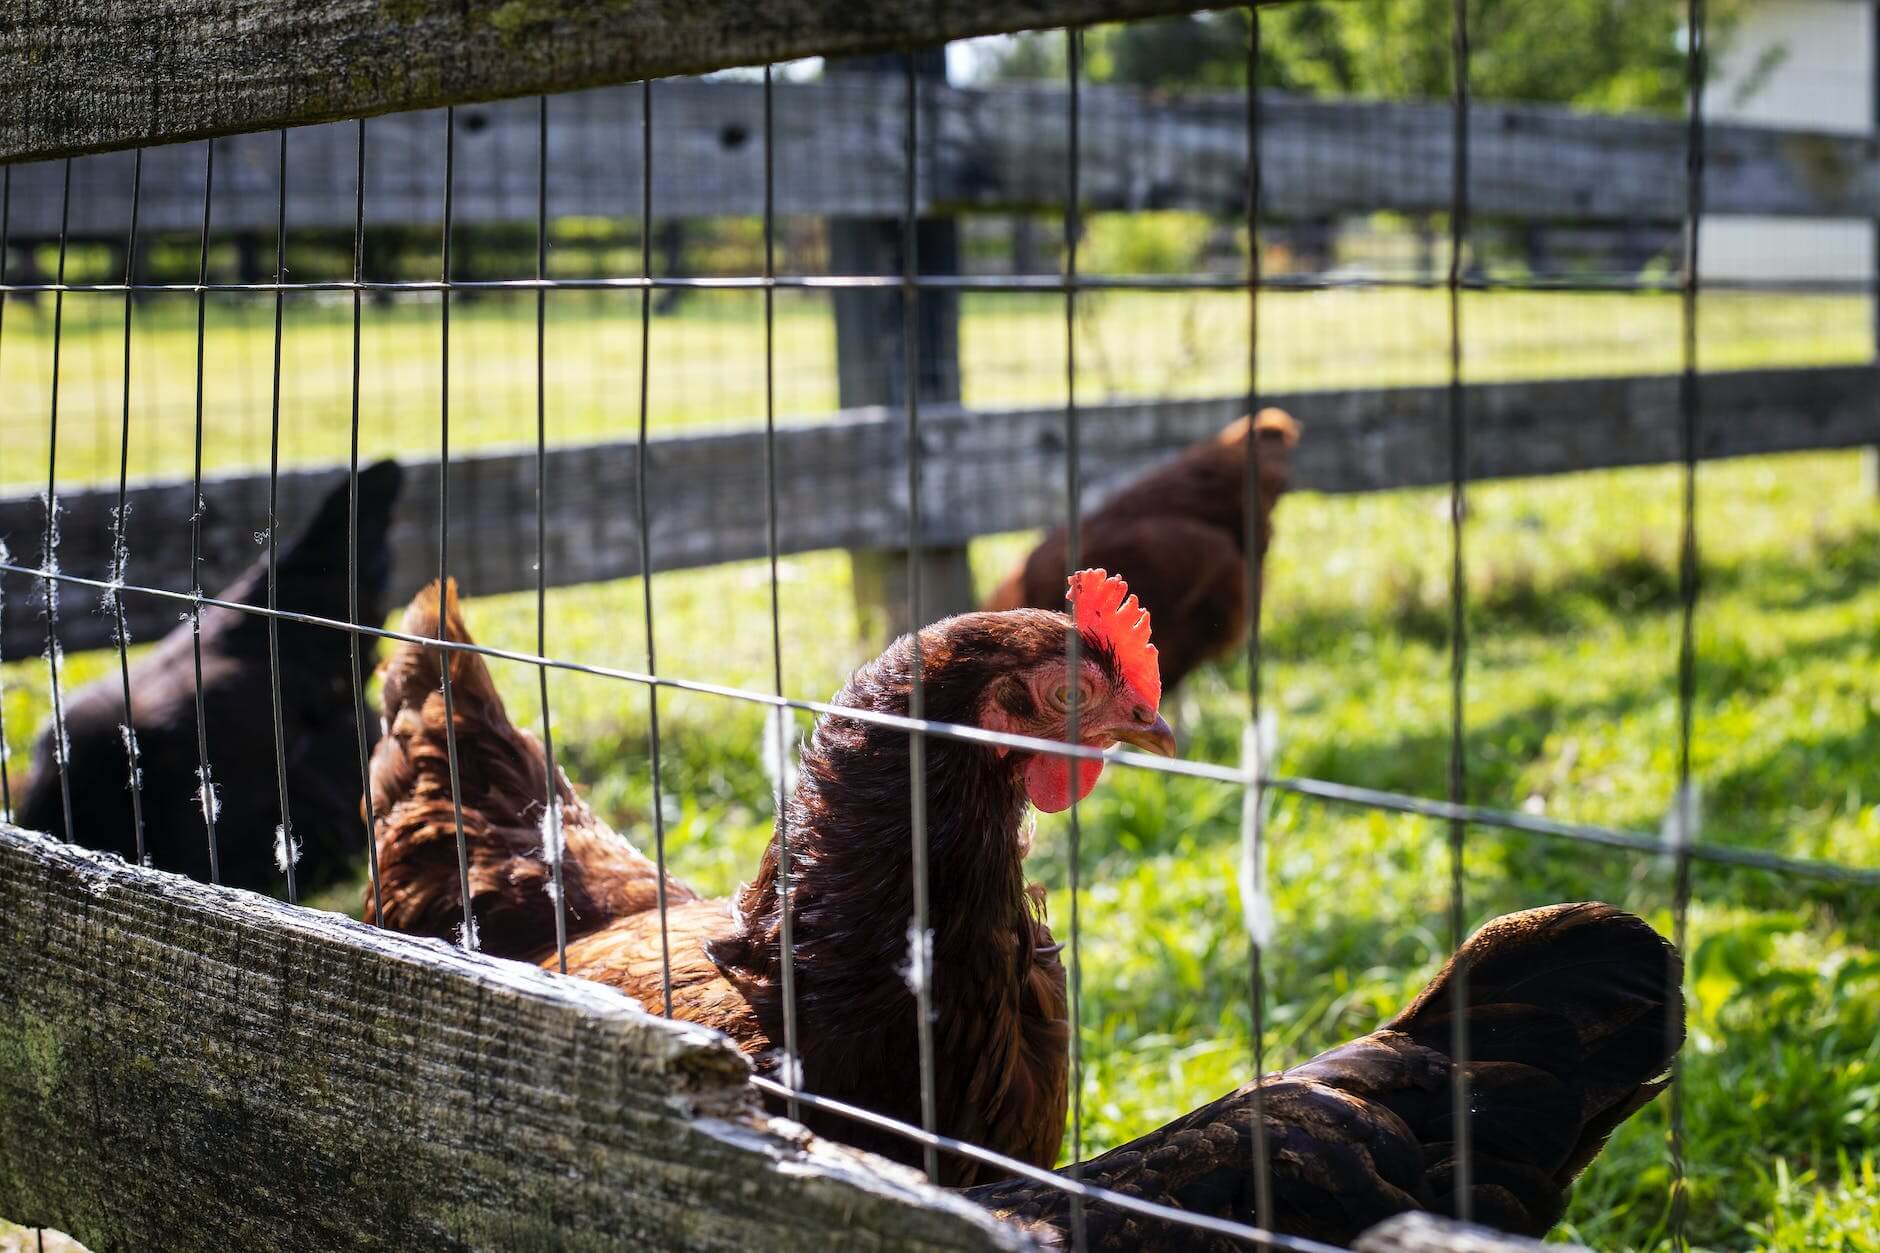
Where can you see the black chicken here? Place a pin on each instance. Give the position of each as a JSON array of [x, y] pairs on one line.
[[319, 719]]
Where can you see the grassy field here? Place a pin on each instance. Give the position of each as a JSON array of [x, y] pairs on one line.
[[708, 361], [1571, 711]]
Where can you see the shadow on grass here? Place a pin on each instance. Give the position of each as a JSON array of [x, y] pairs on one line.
[[1520, 597]]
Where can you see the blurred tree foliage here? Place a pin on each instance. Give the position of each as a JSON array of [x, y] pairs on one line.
[[1602, 54]]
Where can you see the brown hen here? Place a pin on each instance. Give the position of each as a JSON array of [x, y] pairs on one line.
[[1177, 535], [1574, 1014], [998, 987]]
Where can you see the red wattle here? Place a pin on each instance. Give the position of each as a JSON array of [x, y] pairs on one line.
[[1048, 781]]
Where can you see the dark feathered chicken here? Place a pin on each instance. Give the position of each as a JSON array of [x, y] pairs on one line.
[[1574, 1015], [998, 988], [1177, 535], [318, 719]]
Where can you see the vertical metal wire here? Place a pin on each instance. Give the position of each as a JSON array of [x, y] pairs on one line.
[[785, 719], [284, 837], [551, 800], [6, 232], [120, 544], [206, 790], [1073, 639], [920, 955], [49, 560], [1250, 542], [352, 522], [1684, 817], [1458, 606], [469, 938], [646, 539]]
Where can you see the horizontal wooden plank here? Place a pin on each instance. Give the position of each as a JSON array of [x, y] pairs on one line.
[[80, 75], [842, 483], [191, 1067], [840, 153]]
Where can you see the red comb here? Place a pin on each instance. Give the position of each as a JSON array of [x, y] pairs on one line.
[[1106, 612]]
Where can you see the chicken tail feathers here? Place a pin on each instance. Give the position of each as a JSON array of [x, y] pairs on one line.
[[414, 808], [1575, 1013], [416, 670], [510, 834]]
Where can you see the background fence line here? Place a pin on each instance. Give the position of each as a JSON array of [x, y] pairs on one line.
[[984, 149], [841, 482]]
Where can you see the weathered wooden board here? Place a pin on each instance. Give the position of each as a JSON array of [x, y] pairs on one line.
[[79, 75], [191, 1067], [840, 154], [842, 483]]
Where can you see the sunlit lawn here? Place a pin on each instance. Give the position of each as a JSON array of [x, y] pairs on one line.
[[708, 361]]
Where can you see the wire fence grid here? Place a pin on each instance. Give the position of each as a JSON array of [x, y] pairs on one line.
[[1252, 776]]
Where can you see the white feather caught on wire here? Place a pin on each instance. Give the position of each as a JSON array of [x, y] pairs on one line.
[[779, 752], [1684, 820], [1258, 747], [286, 851]]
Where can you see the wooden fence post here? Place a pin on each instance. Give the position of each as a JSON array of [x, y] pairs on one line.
[[870, 369]]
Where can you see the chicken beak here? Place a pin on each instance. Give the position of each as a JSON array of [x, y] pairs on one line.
[[1155, 738]]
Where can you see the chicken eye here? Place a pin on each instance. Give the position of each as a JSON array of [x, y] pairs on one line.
[[1061, 696]]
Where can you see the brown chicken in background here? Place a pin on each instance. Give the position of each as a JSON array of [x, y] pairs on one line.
[[1000, 1042], [1177, 536], [1574, 1015]]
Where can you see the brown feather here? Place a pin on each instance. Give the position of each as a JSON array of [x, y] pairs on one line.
[[503, 770]]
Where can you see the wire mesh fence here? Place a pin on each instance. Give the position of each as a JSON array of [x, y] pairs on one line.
[[851, 296]]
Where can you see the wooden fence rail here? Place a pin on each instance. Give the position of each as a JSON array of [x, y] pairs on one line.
[[191, 1067], [842, 482], [839, 148]]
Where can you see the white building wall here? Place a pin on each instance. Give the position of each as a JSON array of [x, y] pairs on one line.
[[1823, 79]]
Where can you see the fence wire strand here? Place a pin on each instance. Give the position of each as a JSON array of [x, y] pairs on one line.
[[1253, 798], [1373, 798], [120, 522], [920, 940], [1078, 1191], [989, 283], [1683, 820], [646, 538], [284, 851], [1073, 640], [352, 526], [1461, 1108], [205, 778], [782, 719], [469, 937], [554, 844], [49, 588]]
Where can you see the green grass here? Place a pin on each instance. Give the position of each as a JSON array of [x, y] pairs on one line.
[[708, 361], [1570, 710]]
